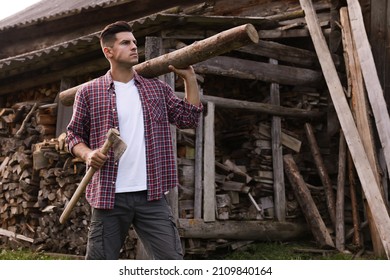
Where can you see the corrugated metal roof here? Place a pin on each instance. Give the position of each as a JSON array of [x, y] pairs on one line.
[[47, 10]]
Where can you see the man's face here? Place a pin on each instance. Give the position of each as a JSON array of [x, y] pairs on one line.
[[124, 50]]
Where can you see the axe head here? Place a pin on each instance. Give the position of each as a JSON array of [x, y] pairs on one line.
[[118, 145]]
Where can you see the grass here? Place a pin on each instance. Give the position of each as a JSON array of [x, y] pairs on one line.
[[254, 251], [293, 251], [24, 254]]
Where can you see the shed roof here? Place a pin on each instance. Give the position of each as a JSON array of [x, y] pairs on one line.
[[46, 10]]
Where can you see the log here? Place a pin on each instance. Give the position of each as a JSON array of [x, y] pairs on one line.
[[305, 200], [322, 172], [255, 70], [220, 43], [242, 230], [259, 107]]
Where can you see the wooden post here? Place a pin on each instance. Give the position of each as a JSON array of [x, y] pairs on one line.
[[64, 112], [277, 156], [198, 169], [340, 198], [308, 206], [209, 166], [359, 156]]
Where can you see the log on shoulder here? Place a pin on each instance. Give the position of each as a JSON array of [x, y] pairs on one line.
[[220, 43]]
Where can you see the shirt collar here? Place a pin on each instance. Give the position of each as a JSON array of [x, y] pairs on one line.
[[110, 82]]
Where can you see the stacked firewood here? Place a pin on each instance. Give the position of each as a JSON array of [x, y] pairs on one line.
[[37, 181]]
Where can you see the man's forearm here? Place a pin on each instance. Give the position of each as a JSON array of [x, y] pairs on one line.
[[192, 91], [81, 150]]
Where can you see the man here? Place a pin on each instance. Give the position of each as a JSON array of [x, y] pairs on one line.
[[131, 191]]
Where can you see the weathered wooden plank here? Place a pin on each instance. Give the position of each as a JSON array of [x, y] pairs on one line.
[[209, 166], [359, 156], [360, 110], [373, 85], [198, 169], [277, 156]]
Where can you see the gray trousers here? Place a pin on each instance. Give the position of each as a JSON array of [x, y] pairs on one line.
[[152, 220]]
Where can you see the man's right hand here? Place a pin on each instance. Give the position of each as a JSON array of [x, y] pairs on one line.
[[95, 158]]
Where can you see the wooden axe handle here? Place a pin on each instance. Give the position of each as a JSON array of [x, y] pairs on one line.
[[84, 182]]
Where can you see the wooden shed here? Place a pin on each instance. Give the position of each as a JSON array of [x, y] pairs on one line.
[[293, 143]]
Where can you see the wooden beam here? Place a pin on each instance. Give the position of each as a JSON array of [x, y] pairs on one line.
[[242, 230], [258, 107], [286, 53], [359, 156], [254, 70]]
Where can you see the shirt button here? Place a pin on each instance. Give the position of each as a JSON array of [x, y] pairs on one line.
[[113, 109]]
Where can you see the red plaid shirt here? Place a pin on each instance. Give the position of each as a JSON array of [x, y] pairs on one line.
[[94, 113]]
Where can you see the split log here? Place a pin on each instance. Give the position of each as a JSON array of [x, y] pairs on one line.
[[14, 235], [19, 133], [220, 43], [302, 193]]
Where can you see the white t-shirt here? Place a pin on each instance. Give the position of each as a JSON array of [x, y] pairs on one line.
[[132, 164]]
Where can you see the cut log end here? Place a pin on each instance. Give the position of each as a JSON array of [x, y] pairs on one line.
[[252, 33]]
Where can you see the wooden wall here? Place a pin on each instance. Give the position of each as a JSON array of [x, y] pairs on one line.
[[376, 14]]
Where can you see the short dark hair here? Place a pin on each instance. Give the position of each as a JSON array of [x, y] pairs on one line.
[[108, 33]]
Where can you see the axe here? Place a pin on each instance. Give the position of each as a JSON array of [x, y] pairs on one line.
[[112, 140]]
